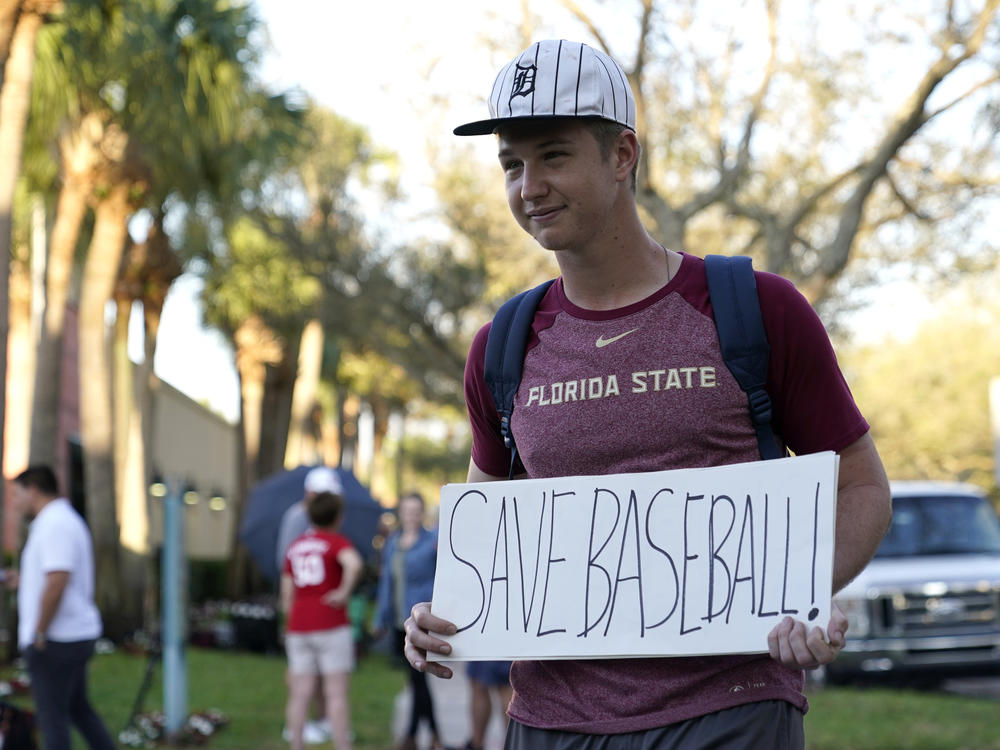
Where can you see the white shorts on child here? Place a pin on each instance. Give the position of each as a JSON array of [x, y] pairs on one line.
[[320, 651]]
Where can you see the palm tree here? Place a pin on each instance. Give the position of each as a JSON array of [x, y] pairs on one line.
[[99, 275], [19, 24], [79, 148], [160, 104]]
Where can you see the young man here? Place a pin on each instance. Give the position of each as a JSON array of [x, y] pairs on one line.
[[58, 621], [564, 118]]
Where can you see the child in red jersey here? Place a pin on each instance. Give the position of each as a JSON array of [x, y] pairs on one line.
[[320, 571]]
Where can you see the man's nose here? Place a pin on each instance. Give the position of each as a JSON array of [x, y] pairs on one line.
[[533, 184]]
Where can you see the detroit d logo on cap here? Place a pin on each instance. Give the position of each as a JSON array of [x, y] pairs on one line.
[[524, 81]]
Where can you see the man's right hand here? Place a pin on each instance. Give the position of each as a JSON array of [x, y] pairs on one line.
[[420, 644]]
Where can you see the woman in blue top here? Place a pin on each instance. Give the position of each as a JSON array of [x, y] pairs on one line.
[[407, 577]]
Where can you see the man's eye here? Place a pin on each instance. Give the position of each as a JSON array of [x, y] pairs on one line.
[[511, 165], [554, 154]]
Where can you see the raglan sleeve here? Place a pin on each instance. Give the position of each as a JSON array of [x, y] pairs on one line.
[[814, 409], [488, 450]]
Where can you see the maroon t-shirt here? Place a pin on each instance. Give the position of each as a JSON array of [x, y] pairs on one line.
[[645, 388]]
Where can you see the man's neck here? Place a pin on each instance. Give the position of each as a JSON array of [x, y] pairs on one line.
[[42, 501], [618, 273]]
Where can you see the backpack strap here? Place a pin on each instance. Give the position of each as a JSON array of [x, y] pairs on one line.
[[504, 359], [733, 291]]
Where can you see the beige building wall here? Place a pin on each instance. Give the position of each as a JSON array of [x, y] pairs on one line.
[[198, 450]]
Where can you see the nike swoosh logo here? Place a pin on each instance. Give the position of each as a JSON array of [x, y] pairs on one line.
[[602, 342]]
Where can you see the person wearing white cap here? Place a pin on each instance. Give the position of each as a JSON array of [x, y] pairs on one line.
[[320, 571], [295, 523], [295, 520], [564, 118]]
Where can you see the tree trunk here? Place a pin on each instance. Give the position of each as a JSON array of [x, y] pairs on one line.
[[348, 409], [145, 394], [10, 11], [275, 413], [11, 14], [70, 211], [20, 378], [131, 511], [399, 466], [301, 447], [15, 99], [256, 347], [378, 476], [331, 418], [252, 395], [100, 271], [122, 399]]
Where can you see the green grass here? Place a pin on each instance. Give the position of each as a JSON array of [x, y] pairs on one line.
[[249, 689], [894, 719]]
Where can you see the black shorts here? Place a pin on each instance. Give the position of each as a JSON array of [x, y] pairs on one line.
[[775, 725]]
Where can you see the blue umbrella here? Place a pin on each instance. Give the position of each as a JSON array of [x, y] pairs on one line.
[[271, 497]]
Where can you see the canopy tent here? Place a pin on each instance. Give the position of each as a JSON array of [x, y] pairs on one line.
[[271, 497]]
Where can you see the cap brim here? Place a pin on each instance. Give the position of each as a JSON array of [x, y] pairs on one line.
[[480, 127], [486, 127]]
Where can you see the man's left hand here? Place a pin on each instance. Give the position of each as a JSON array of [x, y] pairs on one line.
[[40, 641], [796, 646]]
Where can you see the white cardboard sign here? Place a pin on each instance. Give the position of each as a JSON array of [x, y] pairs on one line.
[[683, 562]]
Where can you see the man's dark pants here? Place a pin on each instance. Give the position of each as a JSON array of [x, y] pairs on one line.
[[59, 687], [769, 725]]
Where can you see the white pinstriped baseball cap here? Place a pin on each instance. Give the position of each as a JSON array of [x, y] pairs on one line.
[[554, 79]]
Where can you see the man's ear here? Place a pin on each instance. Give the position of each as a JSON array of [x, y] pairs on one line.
[[626, 153]]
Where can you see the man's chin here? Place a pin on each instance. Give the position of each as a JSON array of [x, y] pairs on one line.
[[547, 241]]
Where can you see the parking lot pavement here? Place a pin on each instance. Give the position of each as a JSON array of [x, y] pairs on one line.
[[451, 710]]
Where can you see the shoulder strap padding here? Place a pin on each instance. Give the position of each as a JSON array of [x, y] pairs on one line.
[[735, 305], [504, 358]]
